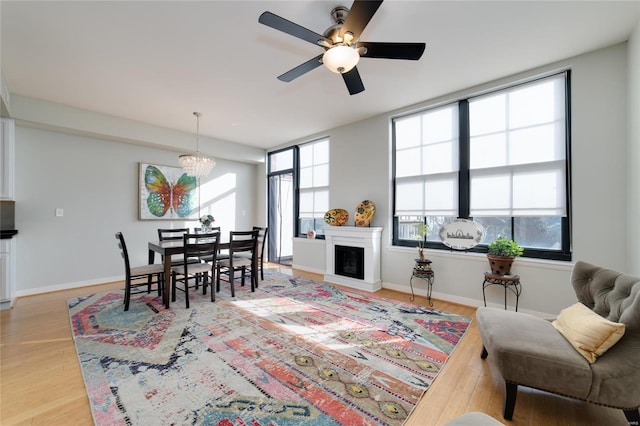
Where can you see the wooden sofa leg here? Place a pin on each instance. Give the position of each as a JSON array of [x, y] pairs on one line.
[[511, 391], [633, 417], [484, 353]]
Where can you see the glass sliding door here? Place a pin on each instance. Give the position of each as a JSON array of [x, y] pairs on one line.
[[281, 218], [281, 205]]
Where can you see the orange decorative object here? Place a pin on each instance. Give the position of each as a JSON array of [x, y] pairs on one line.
[[365, 211], [336, 217]]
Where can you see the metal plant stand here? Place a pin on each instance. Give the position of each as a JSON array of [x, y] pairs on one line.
[[423, 271], [511, 282]]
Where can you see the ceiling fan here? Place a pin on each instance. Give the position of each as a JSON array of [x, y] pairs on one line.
[[341, 41]]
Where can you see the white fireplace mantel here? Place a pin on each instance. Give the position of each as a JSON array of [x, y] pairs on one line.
[[352, 236]]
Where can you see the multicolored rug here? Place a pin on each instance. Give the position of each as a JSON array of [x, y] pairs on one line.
[[295, 351]]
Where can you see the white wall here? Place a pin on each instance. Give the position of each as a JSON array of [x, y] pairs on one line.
[[360, 170], [95, 181]]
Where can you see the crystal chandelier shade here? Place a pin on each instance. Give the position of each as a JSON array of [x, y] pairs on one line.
[[196, 164]]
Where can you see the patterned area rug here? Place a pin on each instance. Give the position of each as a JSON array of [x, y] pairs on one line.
[[295, 351]]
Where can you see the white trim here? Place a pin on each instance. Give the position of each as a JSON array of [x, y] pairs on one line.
[[402, 288], [308, 269], [353, 282], [68, 286]]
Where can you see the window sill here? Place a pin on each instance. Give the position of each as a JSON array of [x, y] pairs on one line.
[[482, 257]]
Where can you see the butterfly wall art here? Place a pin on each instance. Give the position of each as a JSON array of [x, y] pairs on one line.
[[167, 193]]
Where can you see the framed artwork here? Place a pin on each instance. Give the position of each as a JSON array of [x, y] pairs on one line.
[[167, 193]]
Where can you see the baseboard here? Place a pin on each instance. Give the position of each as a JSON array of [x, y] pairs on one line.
[[307, 269], [67, 286], [353, 283], [402, 288]]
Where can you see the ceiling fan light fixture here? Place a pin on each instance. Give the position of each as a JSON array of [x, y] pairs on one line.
[[340, 59]]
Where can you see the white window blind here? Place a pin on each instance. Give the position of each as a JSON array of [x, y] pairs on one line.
[[426, 163], [314, 179], [518, 150]]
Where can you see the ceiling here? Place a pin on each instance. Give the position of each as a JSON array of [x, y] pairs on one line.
[[158, 61]]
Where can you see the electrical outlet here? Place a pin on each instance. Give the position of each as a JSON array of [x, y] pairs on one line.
[[59, 212]]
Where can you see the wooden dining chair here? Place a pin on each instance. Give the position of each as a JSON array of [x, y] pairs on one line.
[[222, 254], [241, 243], [133, 275], [213, 229], [174, 234], [262, 237], [196, 246]]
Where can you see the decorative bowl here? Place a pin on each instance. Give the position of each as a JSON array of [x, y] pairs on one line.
[[336, 217], [365, 211]]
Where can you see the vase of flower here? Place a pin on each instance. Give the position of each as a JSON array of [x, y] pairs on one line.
[[207, 222]]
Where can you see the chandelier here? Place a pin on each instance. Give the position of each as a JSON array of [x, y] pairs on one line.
[[197, 164]]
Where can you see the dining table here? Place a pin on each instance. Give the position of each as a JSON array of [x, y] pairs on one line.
[[167, 249]]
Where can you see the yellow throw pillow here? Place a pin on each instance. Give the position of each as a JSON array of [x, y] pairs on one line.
[[587, 331]]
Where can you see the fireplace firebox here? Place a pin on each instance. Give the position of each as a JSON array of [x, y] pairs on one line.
[[349, 261]]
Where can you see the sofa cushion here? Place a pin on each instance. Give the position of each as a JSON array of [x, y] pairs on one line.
[[529, 350], [617, 373], [587, 331]]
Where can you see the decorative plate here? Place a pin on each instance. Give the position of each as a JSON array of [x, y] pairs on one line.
[[365, 211], [461, 234], [336, 217]]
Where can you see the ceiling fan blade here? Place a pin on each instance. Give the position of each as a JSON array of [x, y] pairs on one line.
[[353, 81], [410, 51], [359, 16], [301, 69], [291, 28]]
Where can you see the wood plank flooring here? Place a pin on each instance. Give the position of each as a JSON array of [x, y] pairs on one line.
[[41, 382]]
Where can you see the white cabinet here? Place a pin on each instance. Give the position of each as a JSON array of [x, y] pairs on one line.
[[7, 159], [7, 272]]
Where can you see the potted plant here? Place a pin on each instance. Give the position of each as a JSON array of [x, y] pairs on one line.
[[423, 230], [501, 254]]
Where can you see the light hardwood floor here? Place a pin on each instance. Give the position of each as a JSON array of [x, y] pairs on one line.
[[41, 382]]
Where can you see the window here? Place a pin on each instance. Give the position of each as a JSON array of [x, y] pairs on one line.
[[426, 170], [314, 186], [500, 159]]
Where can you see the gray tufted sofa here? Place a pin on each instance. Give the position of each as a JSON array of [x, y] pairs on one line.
[[529, 351]]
